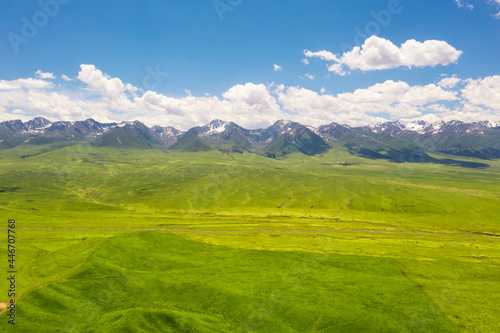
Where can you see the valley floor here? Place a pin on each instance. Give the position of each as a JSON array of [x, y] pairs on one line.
[[211, 242]]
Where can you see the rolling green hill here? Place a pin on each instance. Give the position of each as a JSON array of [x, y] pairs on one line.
[[158, 282], [190, 143], [393, 235]]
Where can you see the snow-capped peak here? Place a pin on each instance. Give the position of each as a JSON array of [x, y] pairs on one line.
[[216, 126], [37, 125], [282, 123], [125, 123], [312, 129]]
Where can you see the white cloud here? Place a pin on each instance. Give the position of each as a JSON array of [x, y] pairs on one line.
[[379, 53], [441, 112], [277, 68], [48, 103], [253, 98], [314, 109], [131, 88], [323, 55], [337, 69], [467, 5], [65, 78], [483, 92], [449, 82], [29, 83], [391, 92], [112, 90], [497, 4], [18, 111], [396, 99], [251, 105], [41, 75], [14, 115], [58, 106], [464, 3], [305, 61], [310, 77], [249, 93], [102, 83]]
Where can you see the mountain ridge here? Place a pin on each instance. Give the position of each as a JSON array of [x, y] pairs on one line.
[[393, 140]]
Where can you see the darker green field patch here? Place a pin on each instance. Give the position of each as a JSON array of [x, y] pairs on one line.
[[161, 282], [9, 189]]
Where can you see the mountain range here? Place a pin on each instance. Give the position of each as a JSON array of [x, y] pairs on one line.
[[397, 141]]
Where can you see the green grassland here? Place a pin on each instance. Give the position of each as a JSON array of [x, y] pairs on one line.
[[111, 239]]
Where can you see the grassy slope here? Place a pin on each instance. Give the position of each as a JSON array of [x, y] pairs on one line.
[[171, 284], [90, 187]]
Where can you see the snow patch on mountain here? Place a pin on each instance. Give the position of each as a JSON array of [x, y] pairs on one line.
[[217, 126]]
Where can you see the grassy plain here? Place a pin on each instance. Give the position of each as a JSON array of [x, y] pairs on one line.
[[351, 244]]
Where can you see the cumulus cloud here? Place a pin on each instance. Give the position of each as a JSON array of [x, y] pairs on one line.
[[65, 78], [250, 94], [466, 114], [314, 109], [337, 69], [379, 53], [103, 83], [104, 98], [40, 100], [396, 99], [59, 106], [483, 92], [41, 75], [323, 55], [249, 105], [276, 68], [497, 4], [29, 83], [305, 61], [112, 90], [391, 92], [310, 76], [449, 82]]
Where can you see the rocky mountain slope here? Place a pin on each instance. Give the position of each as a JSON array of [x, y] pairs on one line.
[[397, 141]]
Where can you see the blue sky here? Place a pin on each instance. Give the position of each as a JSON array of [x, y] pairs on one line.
[[220, 57]]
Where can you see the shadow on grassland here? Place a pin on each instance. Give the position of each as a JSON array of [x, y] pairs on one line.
[[156, 282], [410, 156]]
